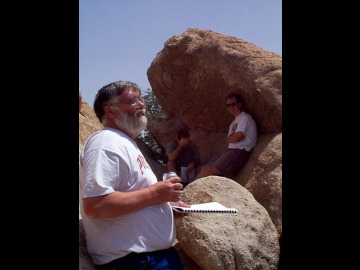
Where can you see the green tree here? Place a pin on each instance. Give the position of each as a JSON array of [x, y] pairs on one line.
[[153, 111]]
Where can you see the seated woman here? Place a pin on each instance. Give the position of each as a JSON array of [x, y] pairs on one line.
[[183, 157]]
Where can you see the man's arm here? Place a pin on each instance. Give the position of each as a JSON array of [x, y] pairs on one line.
[[120, 203], [170, 166], [235, 137], [181, 144]]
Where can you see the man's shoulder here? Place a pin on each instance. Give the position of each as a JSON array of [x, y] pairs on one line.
[[244, 115], [172, 143]]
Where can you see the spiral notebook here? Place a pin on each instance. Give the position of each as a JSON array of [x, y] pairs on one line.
[[211, 207]]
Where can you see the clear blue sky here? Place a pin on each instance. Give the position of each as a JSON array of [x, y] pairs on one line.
[[118, 39]]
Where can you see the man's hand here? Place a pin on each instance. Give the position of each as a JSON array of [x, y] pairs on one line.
[[183, 143], [167, 190], [181, 204], [191, 166]]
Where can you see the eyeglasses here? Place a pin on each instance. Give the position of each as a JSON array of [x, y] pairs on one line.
[[131, 101], [231, 104]]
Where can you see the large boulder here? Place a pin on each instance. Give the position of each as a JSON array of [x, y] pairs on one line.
[[192, 75], [246, 240], [88, 123], [262, 175]]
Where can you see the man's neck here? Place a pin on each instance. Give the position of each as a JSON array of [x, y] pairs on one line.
[[236, 115], [112, 125]]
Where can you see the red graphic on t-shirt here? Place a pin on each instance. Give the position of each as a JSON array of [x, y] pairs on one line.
[[142, 163]]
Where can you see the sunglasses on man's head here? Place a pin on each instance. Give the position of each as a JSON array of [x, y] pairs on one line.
[[231, 104]]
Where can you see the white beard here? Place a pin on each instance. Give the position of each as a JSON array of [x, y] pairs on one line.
[[131, 124]]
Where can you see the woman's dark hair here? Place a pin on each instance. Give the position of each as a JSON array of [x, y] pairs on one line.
[[183, 133], [108, 93]]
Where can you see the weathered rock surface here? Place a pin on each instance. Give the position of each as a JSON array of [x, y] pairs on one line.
[[246, 240], [88, 123], [192, 75], [262, 175]]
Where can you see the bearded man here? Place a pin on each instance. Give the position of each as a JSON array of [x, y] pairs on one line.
[[126, 211]]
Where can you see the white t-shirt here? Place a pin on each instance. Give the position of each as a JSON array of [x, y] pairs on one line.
[[109, 161], [246, 124]]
